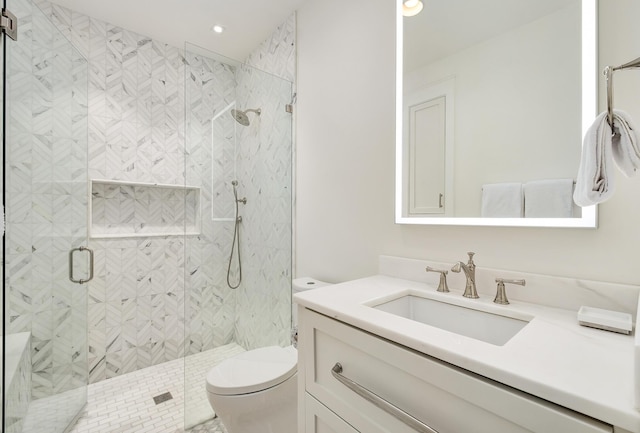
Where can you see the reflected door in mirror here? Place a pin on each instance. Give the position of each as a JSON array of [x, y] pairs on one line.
[[429, 142]]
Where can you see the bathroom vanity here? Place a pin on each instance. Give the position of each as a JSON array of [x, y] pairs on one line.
[[389, 353]]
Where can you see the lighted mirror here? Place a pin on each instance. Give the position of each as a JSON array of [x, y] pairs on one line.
[[493, 99]]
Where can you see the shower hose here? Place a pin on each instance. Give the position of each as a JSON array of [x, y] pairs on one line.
[[236, 240]]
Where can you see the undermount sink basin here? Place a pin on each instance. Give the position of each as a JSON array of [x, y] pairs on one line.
[[486, 326]]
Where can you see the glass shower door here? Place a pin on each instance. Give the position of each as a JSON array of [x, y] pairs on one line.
[[256, 152], [45, 198]]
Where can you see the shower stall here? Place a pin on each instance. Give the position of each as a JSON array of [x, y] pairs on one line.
[[120, 214]]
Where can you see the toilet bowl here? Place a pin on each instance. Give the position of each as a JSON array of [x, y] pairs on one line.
[[256, 391]]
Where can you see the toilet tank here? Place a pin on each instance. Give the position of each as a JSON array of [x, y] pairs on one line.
[[303, 284]]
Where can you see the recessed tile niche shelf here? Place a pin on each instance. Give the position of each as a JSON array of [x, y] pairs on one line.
[[122, 209]]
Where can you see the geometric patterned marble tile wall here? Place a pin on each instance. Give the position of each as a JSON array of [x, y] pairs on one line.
[[136, 98], [157, 299], [210, 164], [260, 158], [46, 192], [265, 163], [277, 54], [263, 315], [139, 306]]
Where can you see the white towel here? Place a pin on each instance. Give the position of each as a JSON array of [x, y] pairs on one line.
[[548, 198], [502, 200], [595, 182], [626, 153]]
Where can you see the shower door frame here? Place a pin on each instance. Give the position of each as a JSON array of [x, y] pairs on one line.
[[2, 180]]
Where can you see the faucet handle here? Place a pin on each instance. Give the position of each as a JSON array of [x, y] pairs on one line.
[[501, 293], [471, 254], [442, 286]]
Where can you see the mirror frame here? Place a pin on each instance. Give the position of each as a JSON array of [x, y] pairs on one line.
[[589, 217]]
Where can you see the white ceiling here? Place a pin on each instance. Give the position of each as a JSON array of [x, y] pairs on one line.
[[442, 27], [247, 22], [446, 27]]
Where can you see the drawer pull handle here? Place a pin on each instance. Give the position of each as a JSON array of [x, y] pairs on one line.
[[380, 402]]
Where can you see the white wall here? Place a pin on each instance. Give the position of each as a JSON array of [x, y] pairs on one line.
[[345, 158]]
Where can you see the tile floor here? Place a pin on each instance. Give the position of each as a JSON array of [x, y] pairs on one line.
[[125, 404]]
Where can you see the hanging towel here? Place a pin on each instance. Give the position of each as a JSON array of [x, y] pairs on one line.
[[502, 200], [626, 153], [550, 198], [595, 182]]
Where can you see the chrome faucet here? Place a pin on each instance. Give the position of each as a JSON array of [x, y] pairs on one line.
[[470, 272]]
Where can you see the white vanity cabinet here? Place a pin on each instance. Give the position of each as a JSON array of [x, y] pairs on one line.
[[438, 396], [319, 419]]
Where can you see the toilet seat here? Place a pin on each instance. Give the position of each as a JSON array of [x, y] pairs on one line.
[[253, 371]]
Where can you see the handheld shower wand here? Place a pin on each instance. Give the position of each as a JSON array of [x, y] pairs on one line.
[[236, 239]]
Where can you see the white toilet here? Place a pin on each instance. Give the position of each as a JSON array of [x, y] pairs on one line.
[[256, 391]]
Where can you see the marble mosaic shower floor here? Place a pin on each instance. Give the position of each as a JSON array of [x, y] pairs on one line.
[[125, 404]]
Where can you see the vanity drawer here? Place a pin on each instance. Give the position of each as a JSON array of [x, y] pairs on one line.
[[319, 419], [446, 398]]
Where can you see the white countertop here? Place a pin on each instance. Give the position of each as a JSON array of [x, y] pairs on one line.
[[588, 370]]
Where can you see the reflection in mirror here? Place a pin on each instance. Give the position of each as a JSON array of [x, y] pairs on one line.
[[492, 111]]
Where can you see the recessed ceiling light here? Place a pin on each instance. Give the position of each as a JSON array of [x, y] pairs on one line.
[[411, 7], [217, 28]]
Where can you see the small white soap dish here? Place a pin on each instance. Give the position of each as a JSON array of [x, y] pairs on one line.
[[605, 319]]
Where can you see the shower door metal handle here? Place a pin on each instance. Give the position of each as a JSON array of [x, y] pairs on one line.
[[71, 253]]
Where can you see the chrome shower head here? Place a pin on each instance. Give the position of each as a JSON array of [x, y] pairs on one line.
[[241, 116]]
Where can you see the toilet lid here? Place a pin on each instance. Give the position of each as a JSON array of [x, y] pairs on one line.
[[252, 371]]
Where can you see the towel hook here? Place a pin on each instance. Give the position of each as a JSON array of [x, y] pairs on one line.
[[608, 73]]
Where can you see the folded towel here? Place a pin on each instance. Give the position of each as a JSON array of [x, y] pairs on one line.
[[548, 198], [502, 200], [595, 182]]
